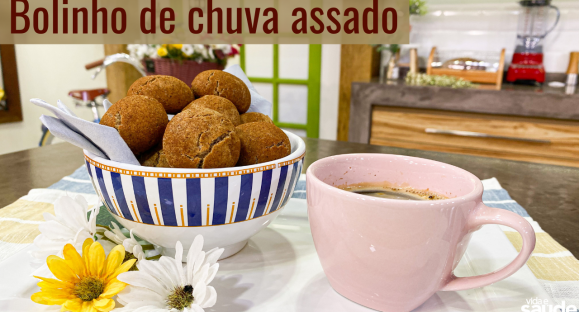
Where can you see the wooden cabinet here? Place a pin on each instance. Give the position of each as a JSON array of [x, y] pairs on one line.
[[550, 141]]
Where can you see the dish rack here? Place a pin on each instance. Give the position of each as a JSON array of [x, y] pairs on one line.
[[476, 66]]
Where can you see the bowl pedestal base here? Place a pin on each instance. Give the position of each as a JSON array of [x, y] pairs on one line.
[[228, 252]]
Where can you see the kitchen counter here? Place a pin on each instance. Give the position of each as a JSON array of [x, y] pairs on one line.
[[511, 101], [525, 123], [549, 193]]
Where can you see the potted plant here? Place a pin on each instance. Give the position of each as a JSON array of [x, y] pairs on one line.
[[183, 61]]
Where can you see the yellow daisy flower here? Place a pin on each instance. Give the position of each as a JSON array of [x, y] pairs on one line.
[[176, 46], [162, 51], [84, 283]]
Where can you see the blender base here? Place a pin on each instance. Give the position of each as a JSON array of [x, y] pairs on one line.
[[527, 66]]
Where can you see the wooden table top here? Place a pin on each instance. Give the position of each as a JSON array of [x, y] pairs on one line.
[[549, 193]]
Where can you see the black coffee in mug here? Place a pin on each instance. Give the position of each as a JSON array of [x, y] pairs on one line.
[[399, 193]]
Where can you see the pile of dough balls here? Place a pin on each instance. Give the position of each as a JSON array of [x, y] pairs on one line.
[[210, 129]]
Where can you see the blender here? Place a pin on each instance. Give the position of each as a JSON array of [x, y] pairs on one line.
[[527, 64]]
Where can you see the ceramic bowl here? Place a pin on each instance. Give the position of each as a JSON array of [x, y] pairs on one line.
[[227, 205]]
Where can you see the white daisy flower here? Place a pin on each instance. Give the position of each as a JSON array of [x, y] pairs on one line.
[[142, 51], [205, 54], [188, 49], [68, 225], [226, 48], [199, 48], [167, 286], [152, 52], [131, 245], [133, 49]]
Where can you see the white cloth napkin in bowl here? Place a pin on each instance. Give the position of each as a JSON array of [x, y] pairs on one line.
[[103, 138]]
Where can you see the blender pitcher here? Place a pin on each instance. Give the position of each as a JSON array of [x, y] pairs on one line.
[[527, 61], [533, 25]]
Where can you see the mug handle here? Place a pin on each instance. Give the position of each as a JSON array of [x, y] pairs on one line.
[[486, 215]]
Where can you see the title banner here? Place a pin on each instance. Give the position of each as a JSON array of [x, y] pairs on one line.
[[204, 21]]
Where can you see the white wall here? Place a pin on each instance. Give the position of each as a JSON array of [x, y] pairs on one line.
[[48, 72], [478, 25], [330, 91]]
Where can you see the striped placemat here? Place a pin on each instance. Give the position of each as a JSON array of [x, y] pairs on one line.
[[555, 267]]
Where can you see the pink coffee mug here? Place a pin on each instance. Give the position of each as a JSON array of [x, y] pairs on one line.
[[392, 255]]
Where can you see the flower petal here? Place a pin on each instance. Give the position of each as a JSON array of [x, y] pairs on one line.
[[213, 255], [87, 306], [129, 243], [96, 259], [46, 299], [60, 269], [46, 286], [117, 231], [196, 308], [179, 252], [156, 270], [192, 255], [144, 306], [210, 298], [174, 274], [92, 220], [211, 274], [140, 279], [81, 201], [199, 262], [135, 293], [54, 282], [74, 260], [110, 235], [104, 305], [70, 213], [125, 267], [114, 260], [64, 293], [201, 275], [55, 230], [85, 248], [138, 252], [112, 288], [199, 292], [48, 216], [72, 305], [179, 263]]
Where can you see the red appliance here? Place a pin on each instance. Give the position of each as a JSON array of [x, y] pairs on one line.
[[527, 61]]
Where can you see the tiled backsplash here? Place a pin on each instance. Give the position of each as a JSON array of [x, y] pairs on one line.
[[491, 26]]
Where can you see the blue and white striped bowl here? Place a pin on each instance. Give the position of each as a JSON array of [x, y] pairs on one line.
[[227, 206]]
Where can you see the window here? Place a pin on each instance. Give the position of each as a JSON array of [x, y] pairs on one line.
[[289, 76]]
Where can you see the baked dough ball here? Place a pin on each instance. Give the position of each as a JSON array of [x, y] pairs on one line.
[[173, 93], [201, 138], [218, 104], [261, 142], [140, 120], [154, 157], [255, 117], [220, 83]]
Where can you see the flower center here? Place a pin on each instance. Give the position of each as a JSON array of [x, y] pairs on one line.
[[89, 288], [129, 256], [180, 298]]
